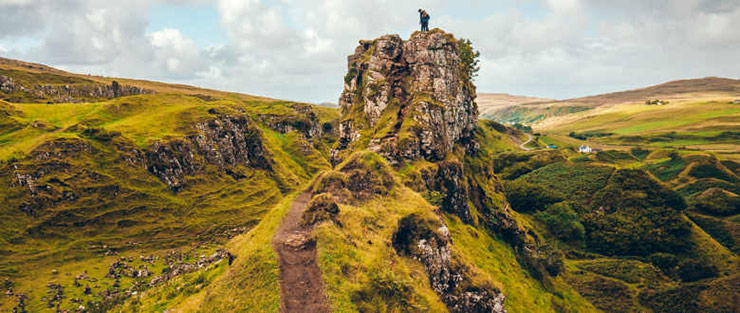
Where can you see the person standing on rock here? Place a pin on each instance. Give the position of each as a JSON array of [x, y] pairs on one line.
[[424, 20]]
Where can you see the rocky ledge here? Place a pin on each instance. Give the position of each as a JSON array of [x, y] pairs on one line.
[[11, 89], [412, 99]]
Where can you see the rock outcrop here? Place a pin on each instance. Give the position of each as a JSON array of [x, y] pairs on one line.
[[429, 243], [66, 92], [411, 99], [223, 142], [304, 121]]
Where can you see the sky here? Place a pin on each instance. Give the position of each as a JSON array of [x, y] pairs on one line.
[[296, 49]]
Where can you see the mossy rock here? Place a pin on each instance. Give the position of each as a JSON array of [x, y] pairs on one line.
[[321, 208]]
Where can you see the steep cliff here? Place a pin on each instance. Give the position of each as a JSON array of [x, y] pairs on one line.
[[407, 100]]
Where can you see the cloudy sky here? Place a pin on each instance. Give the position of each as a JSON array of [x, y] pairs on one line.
[[296, 49]]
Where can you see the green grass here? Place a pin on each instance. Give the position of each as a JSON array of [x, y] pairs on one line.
[[523, 292], [576, 181], [116, 202], [255, 271], [352, 256]]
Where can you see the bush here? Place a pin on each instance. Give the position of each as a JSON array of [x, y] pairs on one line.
[[708, 169], [562, 222], [666, 262], [577, 181], [635, 188], [636, 215], [718, 202], [469, 58], [691, 270], [321, 208], [637, 231], [526, 197]]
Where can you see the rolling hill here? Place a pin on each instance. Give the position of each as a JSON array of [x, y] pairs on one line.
[[704, 89], [134, 196]]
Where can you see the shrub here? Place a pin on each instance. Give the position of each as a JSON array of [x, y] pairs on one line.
[[691, 270], [321, 208], [635, 188], [666, 262], [525, 197], [710, 170], [562, 222], [640, 153], [718, 202], [469, 58], [577, 181], [637, 231]]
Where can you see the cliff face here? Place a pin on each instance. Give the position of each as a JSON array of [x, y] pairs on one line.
[[407, 100], [223, 142]]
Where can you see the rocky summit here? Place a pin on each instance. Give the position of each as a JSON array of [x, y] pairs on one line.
[[407, 100]]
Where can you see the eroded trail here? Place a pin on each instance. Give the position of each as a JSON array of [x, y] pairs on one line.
[[301, 287]]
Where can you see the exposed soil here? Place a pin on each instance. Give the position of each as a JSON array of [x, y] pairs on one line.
[[301, 287]]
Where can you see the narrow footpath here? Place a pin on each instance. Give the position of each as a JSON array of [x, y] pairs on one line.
[[301, 287], [529, 139]]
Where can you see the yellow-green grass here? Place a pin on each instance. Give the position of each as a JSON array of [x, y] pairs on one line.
[[252, 283], [34, 282], [497, 259], [152, 215], [701, 119], [359, 255]]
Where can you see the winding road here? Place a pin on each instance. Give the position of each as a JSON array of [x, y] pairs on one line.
[[529, 139]]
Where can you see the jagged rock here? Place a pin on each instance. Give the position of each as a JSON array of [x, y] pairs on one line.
[[224, 141], [304, 122], [420, 85], [449, 180], [361, 178], [429, 242]]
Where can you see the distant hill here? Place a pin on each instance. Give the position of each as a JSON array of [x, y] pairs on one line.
[[490, 103], [690, 89]]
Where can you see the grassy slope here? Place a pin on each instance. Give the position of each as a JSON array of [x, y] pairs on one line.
[[704, 125], [154, 217]]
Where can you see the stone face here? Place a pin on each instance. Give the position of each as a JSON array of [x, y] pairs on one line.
[[449, 180], [224, 141], [304, 122], [414, 93], [430, 244]]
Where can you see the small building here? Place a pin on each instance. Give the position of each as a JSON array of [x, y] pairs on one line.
[[552, 146], [737, 101], [584, 149]]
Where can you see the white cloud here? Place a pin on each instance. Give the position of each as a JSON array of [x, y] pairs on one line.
[[297, 49]]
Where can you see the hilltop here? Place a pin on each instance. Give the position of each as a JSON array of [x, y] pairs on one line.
[[528, 112], [491, 103]]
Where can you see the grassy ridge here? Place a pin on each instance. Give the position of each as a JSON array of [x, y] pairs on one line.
[[123, 208]]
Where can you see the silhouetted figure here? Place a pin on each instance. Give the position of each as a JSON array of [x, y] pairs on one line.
[[424, 20]]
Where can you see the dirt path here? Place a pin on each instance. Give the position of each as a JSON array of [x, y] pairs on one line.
[[301, 287], [529, 139]]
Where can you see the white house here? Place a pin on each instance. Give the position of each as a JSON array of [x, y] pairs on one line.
[[584, 149]]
